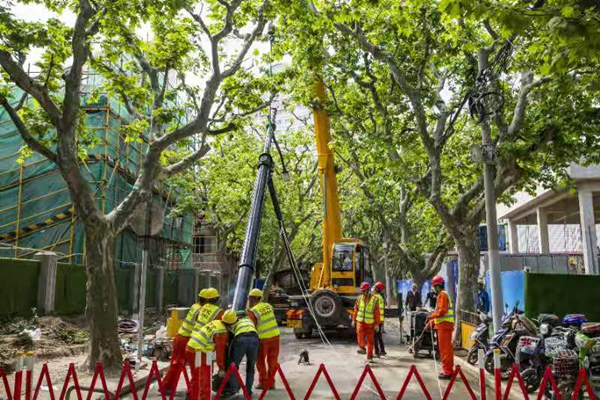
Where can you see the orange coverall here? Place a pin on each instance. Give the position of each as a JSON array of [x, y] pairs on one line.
[[364, 330], [268, 350], [179, 358], [221, 341], [444, 333]]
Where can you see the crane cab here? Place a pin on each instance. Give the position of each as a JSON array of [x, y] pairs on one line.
[[350, 266]]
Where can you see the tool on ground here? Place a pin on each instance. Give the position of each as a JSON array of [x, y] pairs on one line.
[[304, 359]]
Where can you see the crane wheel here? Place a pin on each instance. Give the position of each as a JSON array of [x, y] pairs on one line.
[[326, 304]]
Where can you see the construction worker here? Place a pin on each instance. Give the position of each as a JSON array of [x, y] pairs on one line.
[[245, 343], [211, 310], [443, 320], [366, 319], [263, 316], [178, 353], [378, 290], [212, 336]]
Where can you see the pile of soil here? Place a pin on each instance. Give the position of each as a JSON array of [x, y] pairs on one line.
[[60, 336]]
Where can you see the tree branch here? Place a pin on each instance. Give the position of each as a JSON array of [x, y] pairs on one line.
[[527, 85], [36, 90], [32, 142], [187, 162], [248, 41]]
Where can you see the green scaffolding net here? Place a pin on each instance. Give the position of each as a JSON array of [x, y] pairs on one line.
[[36, 212]]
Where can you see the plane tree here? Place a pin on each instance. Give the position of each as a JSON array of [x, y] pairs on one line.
[[438, 75], [204, 44]]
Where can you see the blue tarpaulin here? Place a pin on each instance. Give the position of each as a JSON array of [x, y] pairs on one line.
[[513, 288]]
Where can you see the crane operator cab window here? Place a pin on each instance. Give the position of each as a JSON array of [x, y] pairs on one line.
[[342, 257], [353, 259]]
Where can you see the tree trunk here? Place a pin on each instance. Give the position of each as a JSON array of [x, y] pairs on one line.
[[101, 298], [277, 264], [468, 264]]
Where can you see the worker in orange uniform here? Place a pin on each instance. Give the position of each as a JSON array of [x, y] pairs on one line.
[[263, 316], [180, 342], [378, 290], [443, 320], [366, 318], [211, 337]]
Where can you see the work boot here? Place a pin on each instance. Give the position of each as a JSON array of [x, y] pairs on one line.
[[444, 376], [361, 351], [383, 353], [259, 386], [370, 360]]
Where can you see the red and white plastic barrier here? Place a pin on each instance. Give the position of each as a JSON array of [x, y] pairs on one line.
[[98, 379]]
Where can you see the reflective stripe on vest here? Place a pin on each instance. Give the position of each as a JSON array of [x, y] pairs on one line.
[[203, 338], [267, 324], [207, 314], [366, 312], [243, 325], [379, 298], [449, 316], [187, 326]]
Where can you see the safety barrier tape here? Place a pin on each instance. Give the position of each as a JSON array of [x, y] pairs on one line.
[[286, 385], [71, 380], [581, 380], [98, 373], [548, 377], [322, 370], [515, 373], [413, 371], [232, 370], [458, 372], [71, 373], [367, 371]]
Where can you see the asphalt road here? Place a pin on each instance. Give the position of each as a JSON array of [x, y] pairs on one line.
[[345, 367]]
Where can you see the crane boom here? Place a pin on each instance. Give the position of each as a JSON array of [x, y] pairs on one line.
[[332, 221]]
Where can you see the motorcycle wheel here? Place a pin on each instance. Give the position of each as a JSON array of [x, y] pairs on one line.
[[532, 380], [472, 355]]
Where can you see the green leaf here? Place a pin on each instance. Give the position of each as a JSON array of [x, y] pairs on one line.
[[545, 69], [567, 11]]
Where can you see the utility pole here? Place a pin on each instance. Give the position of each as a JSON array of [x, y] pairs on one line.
[[488, 157]]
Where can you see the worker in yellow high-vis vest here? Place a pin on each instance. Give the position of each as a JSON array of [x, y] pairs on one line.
[[211, 310], [212, 336], [244, 344], [366, 320], [443, 320], [178, 354], [263, 316]]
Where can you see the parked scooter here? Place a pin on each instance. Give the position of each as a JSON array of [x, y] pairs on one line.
[[534, 352], [506, 339], [564, 358], [481, 337]]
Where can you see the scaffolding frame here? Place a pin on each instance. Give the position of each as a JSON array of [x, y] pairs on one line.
[[111, 168]]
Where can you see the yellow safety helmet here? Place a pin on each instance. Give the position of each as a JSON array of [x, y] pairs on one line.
[[256, 293], [202, 294], [211, 293], [229, 317]]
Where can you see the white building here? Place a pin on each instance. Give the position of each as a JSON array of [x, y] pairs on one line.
[[561, 221]]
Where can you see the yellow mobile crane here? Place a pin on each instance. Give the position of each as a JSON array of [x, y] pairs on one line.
[[334, 283]]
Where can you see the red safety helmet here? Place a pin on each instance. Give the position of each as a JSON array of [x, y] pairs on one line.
[[365, 286], [437, 280], [380, 286]]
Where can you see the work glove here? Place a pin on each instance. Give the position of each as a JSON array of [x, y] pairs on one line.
[[221, 373], [353, 324], [377, 329]]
